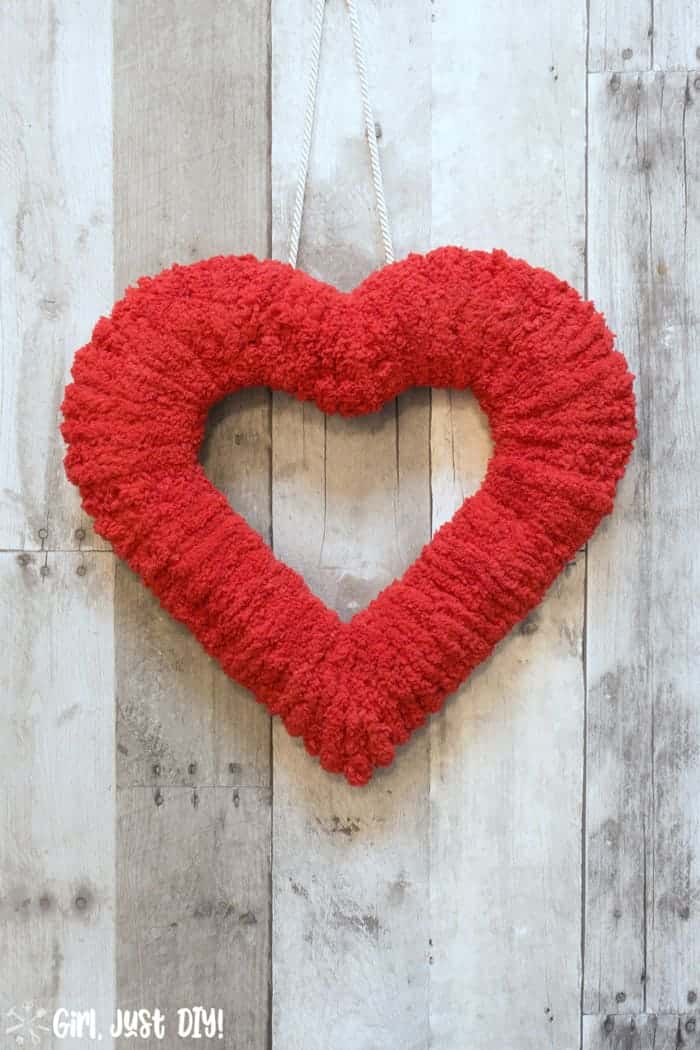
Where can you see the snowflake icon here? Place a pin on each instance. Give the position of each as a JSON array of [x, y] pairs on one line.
[[26, 1024]]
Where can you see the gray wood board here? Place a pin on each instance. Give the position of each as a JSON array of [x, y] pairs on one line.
[[629, 36], [191, 156], [641, 1032], [643, 828], [56, 749], [56, 677], [55, 250]]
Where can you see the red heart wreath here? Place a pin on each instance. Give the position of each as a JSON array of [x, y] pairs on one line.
[[540, 361]]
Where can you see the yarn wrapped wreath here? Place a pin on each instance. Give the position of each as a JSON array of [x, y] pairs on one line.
[[541, 363]]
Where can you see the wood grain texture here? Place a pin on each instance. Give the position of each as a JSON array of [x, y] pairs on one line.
[[621, 35], [56, 750], [676, 35], [639, 35], [504, 861], [641, 1032], [55, 249], [193, 919], [643, 881], [351, 510], [508, 143], [191, 180]]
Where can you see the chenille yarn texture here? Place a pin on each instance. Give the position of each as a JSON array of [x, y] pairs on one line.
[[541, 363]]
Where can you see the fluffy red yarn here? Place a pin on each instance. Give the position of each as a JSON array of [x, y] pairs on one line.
[[542, 365]]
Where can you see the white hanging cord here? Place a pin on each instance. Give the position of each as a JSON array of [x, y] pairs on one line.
[[311, 91], [370, 133]]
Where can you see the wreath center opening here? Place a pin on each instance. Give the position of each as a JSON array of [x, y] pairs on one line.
[[353, 501]]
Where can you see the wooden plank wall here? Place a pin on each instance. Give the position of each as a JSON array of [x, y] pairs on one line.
[[527, 874]]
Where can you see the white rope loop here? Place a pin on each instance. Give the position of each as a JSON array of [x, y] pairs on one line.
[[370, 133], [309, 111]]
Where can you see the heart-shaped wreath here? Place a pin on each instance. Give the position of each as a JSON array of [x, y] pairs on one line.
[[541, 363]]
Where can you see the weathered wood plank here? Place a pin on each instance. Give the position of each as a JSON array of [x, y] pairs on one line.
[[482, 132], [621, 35], [676, 34], [643, 880], [55, 247], [669, 365], [619, 757], [504, 860], [351, 510], [641, 1032], [56, 680], [192, 180], [194, 868], [56, 749], [639, 35]]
